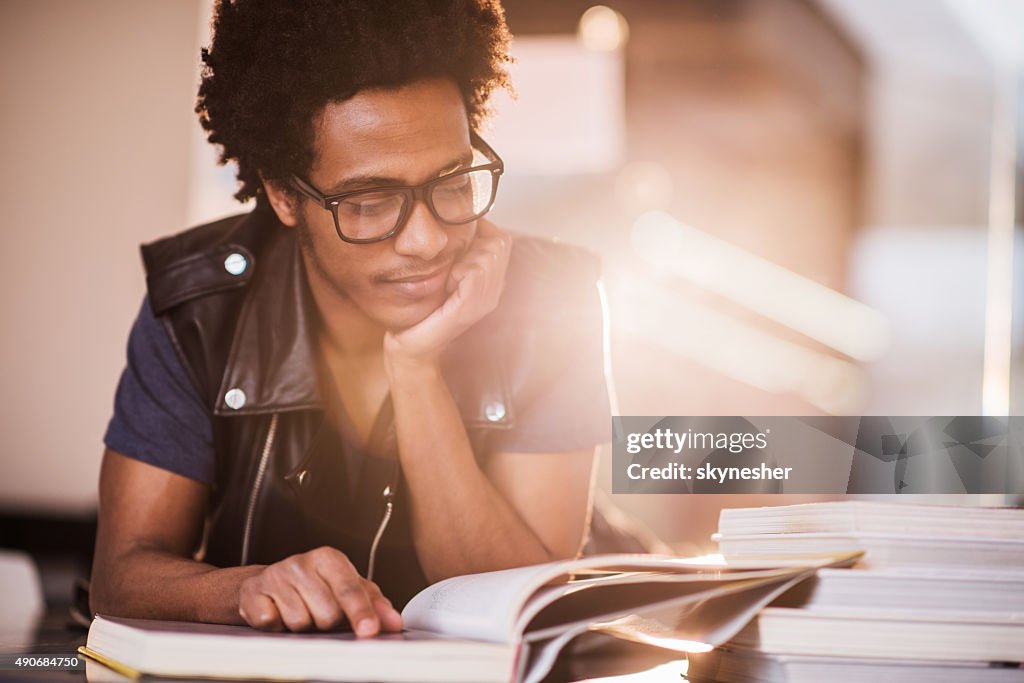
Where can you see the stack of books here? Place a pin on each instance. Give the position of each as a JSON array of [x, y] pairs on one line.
[[937, 596]]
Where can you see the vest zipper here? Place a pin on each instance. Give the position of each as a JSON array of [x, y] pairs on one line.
[[261, 471], [389, 506]]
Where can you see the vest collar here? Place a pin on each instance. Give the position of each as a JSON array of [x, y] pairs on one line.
[[271, 366]]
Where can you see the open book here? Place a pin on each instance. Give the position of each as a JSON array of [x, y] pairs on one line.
[[497, 626]]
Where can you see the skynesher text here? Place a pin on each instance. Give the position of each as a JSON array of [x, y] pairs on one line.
[[707, 472]]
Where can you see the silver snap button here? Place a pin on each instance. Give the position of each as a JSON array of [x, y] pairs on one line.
[[494, 411], [235, 399], [235, 264], [303, 475]]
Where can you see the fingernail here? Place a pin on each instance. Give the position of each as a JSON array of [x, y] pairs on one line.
[[366, 627]]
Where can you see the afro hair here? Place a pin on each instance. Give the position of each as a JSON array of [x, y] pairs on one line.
[[272, 66]]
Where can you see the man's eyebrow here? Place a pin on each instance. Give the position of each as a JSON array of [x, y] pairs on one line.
[[366, 181], [358, 182]]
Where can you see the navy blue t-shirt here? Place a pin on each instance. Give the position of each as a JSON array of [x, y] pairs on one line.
[[158, 415], [160, 419]]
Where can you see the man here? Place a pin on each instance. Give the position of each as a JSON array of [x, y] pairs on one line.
[[363, 386]]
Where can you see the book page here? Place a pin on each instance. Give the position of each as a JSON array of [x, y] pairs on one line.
[[486, 606], [697, 627], [686, 623], [596, 598], [479, 606]]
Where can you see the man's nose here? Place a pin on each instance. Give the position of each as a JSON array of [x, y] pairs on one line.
[[423, 236]]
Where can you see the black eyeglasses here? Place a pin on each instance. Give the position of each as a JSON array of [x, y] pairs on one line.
[[375, 214]]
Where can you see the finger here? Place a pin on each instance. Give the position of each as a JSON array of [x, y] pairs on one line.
[[466, 268], [499, 246], [470, 285], [487, 228], [259, 611], [485, 257], [466, 282], [487, 237], [481, 282], [346, 585], [495, 247], [316, 595], [390, 619], [497, 241], [292, 608], [455, 275]]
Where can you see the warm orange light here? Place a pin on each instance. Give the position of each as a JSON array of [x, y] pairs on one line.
[[603, 29]]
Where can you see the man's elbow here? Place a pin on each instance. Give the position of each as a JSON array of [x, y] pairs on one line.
[[109, 584], [102, 598]]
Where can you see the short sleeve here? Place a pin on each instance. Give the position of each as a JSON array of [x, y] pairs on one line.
[[159, 417], [573, 410]]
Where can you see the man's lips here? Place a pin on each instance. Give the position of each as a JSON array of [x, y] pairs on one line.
[[418, 277]]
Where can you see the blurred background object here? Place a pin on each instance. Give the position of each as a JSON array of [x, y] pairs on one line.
[[804, 207], [21, 595]]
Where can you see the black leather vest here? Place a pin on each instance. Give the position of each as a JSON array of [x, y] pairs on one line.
[[234, 299]]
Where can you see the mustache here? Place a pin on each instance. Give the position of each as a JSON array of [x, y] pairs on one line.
[[414, 270]]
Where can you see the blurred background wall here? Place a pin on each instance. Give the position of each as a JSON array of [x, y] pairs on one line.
[[94, 129], [792, 199]]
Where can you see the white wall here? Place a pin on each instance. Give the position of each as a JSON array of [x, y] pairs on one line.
[[95, 127]]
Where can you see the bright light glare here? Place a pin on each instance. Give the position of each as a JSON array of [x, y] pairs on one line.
[[603, 29], [715, 560], [669, 671], [766, 288], [736, 349], [690, 646], [643, 186], [995, 384]]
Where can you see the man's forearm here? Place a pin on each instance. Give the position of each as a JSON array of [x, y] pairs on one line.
[[155, 584], [461, 523]]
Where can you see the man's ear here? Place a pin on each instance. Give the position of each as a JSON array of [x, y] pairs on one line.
[[284, 200]]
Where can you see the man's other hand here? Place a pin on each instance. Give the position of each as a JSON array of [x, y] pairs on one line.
[[319, 589], [474, 287]]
